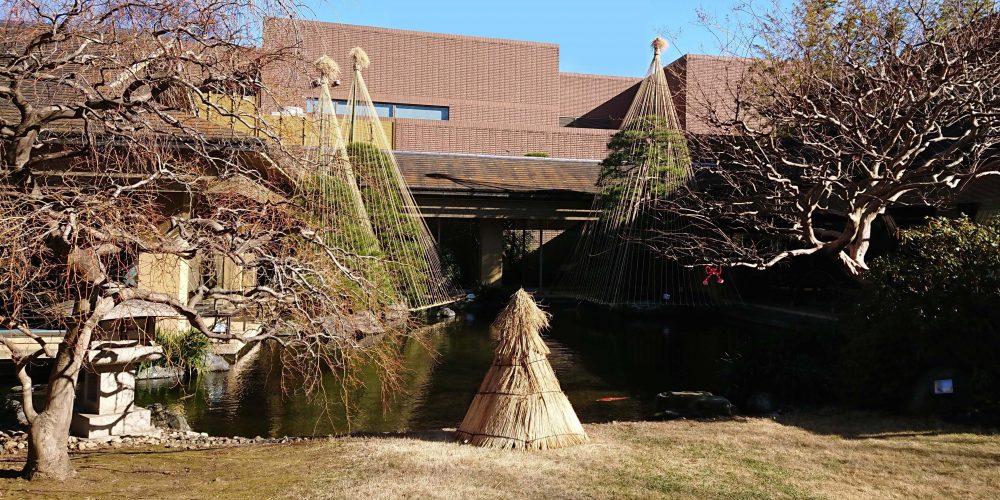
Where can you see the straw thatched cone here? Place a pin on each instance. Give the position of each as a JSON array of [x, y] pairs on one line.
[[520, 404]]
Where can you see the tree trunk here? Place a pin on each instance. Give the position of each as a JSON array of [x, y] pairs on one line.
[[48, 436], [852, 254], [48, 457]]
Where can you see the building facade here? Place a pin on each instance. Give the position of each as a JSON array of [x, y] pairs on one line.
[[464, 111], [463, 94]]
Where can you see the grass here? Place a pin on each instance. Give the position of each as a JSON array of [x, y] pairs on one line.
[[811, 456]]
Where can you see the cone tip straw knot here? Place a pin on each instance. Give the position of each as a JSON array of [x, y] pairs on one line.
[[360, 58], [329, 70], [659, 44], [522, 313]]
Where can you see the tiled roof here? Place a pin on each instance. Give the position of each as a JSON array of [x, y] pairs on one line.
[[496, 174]]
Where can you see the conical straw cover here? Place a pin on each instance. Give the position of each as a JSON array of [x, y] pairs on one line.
[[519, 404], [520, 325]]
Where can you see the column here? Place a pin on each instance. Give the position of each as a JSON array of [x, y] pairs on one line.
[[490, 252]]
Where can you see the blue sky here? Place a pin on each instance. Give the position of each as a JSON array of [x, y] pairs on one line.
[[609, 37]]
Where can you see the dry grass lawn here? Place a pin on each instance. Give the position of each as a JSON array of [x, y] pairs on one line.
[[809, 456]]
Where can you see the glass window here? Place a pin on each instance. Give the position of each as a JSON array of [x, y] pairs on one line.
[[391, 110], [382, 110], [421, 112]]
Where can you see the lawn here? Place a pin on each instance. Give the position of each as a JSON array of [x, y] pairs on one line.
[[806, 456]]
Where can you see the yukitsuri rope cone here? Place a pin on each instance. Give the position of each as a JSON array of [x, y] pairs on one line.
[[649, 161], [329, 194], [520, 404], [411, 253]]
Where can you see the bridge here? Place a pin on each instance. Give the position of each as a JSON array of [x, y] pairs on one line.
[[488, 194]]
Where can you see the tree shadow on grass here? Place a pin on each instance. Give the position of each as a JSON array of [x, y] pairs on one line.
[[871, 425], [10, 473]]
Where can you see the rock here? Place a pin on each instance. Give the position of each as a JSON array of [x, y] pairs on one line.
[[12, 412], [166, 419], [358, 325], [365, 323], [666, 415], [712, 407], [396, 315], [215, 363], [693, 404], [679, 400], [160, 372], [445, 313]]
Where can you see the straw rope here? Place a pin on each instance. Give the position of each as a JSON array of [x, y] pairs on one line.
[[411, 253], [614, 262], [520, 404], [329, 195]]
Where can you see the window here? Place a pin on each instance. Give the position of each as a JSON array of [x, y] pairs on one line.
[[383, 110], [420, 112], [389, 110]]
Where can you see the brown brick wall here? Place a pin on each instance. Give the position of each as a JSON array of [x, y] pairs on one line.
[[480, 79], [559, 142], [504, 96], [705, 83], [596, 98]]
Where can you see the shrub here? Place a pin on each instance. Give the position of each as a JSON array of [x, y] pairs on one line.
[[537, 154], [184, 349], [398, 231], [930, 310], [651, 142]]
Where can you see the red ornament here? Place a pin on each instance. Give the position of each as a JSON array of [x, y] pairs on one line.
[[711, 271]]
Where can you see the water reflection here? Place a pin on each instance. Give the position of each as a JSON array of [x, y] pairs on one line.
[[595, 358]]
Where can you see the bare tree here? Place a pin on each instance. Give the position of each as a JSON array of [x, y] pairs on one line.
[[105, 162], [846, 108]]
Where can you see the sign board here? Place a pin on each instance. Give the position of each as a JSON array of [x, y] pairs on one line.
[[944, 386]]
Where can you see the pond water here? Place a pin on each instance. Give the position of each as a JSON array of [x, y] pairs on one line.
[[595, 356]]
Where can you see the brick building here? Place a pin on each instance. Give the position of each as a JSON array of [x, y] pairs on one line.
[[467, 94], [465, 110]]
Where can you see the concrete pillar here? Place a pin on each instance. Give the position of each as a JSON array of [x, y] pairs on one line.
[[541, 257], [490, 252]]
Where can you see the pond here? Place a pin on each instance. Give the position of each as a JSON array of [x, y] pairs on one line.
[[610, 368]]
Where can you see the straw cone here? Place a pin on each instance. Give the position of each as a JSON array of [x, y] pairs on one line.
[[520, 404]]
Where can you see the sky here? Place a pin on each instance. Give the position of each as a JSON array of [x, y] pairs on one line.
[[607, 37]]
